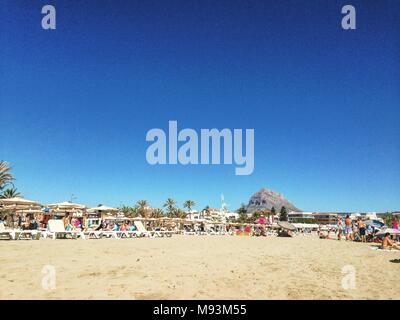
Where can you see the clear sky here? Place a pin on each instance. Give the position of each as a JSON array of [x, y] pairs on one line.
[[77, 102]]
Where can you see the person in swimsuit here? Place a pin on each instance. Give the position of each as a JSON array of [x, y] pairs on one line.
[[348, 228], [340, 228], [395, 223], [361, 229], [66, 220], [388, 243]]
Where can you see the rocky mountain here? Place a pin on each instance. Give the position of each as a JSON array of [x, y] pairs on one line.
[[265, 199]]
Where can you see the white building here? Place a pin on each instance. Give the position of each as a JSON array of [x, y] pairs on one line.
[[293, 215]]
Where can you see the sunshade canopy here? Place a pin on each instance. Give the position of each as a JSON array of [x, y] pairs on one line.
[[66, 205], [286, 225], [103, 208]]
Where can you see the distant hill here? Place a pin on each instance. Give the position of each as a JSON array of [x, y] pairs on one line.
[[265, 199]]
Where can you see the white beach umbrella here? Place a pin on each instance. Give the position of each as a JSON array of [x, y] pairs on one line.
[[18, 201], [66, 205], [388, 230], [109, 218], [103, 208], [138, 218], [30, 210]]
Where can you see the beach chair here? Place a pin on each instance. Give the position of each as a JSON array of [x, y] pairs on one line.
[[27, 235], [199, 232], [110, 234], [307, 232], [56, 230], [210, 231], [6, 234], [188, 230], [162, 233], [92, 234], [142, 231]]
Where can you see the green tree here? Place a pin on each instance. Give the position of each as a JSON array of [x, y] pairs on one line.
[[178, 213], [189, 204], [6, 177], [283, 214], [10, 193], [242, 209], [170, 205], [255, 216], [130, 212], [273, 211], [157, 213], [242, 218]]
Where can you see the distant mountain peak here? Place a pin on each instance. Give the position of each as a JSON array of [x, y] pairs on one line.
[[265, 199]]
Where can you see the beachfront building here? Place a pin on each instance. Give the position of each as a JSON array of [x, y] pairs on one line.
[[325, 218], [195, 215], [298, 216]]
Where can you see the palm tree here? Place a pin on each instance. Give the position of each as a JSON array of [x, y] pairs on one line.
[[10, 193], [5, 174], [128, 211], [170, 205], [179, 213], [142, 206], [189, 204], [157, 213]]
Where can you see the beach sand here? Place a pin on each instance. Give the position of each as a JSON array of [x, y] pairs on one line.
[[198, 267]]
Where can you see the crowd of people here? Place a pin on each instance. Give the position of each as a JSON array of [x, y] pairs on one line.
[[360, 231]]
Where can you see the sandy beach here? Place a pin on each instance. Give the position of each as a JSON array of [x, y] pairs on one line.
[[193, 267]]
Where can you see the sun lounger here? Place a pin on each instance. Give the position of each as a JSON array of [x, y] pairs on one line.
[[6, 234], [142, 231], [27, 235], [128, 234], [189, 232], [162, 233], [92, 234], [56, 230], [110, 234]]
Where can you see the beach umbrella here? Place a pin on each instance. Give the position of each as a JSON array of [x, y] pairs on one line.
[[138, 218], [30, 210], [286, 225], [18, 201], [103, 208], [66, 206], [388, 230], [262, 220], [374, 223], [109, 218]]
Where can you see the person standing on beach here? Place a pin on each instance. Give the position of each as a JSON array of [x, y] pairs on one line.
[[66, 220], [395, 223], [340, 228], [361, 229], [348, 228]]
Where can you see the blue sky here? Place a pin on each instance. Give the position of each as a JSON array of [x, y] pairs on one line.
[[76, 102]]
